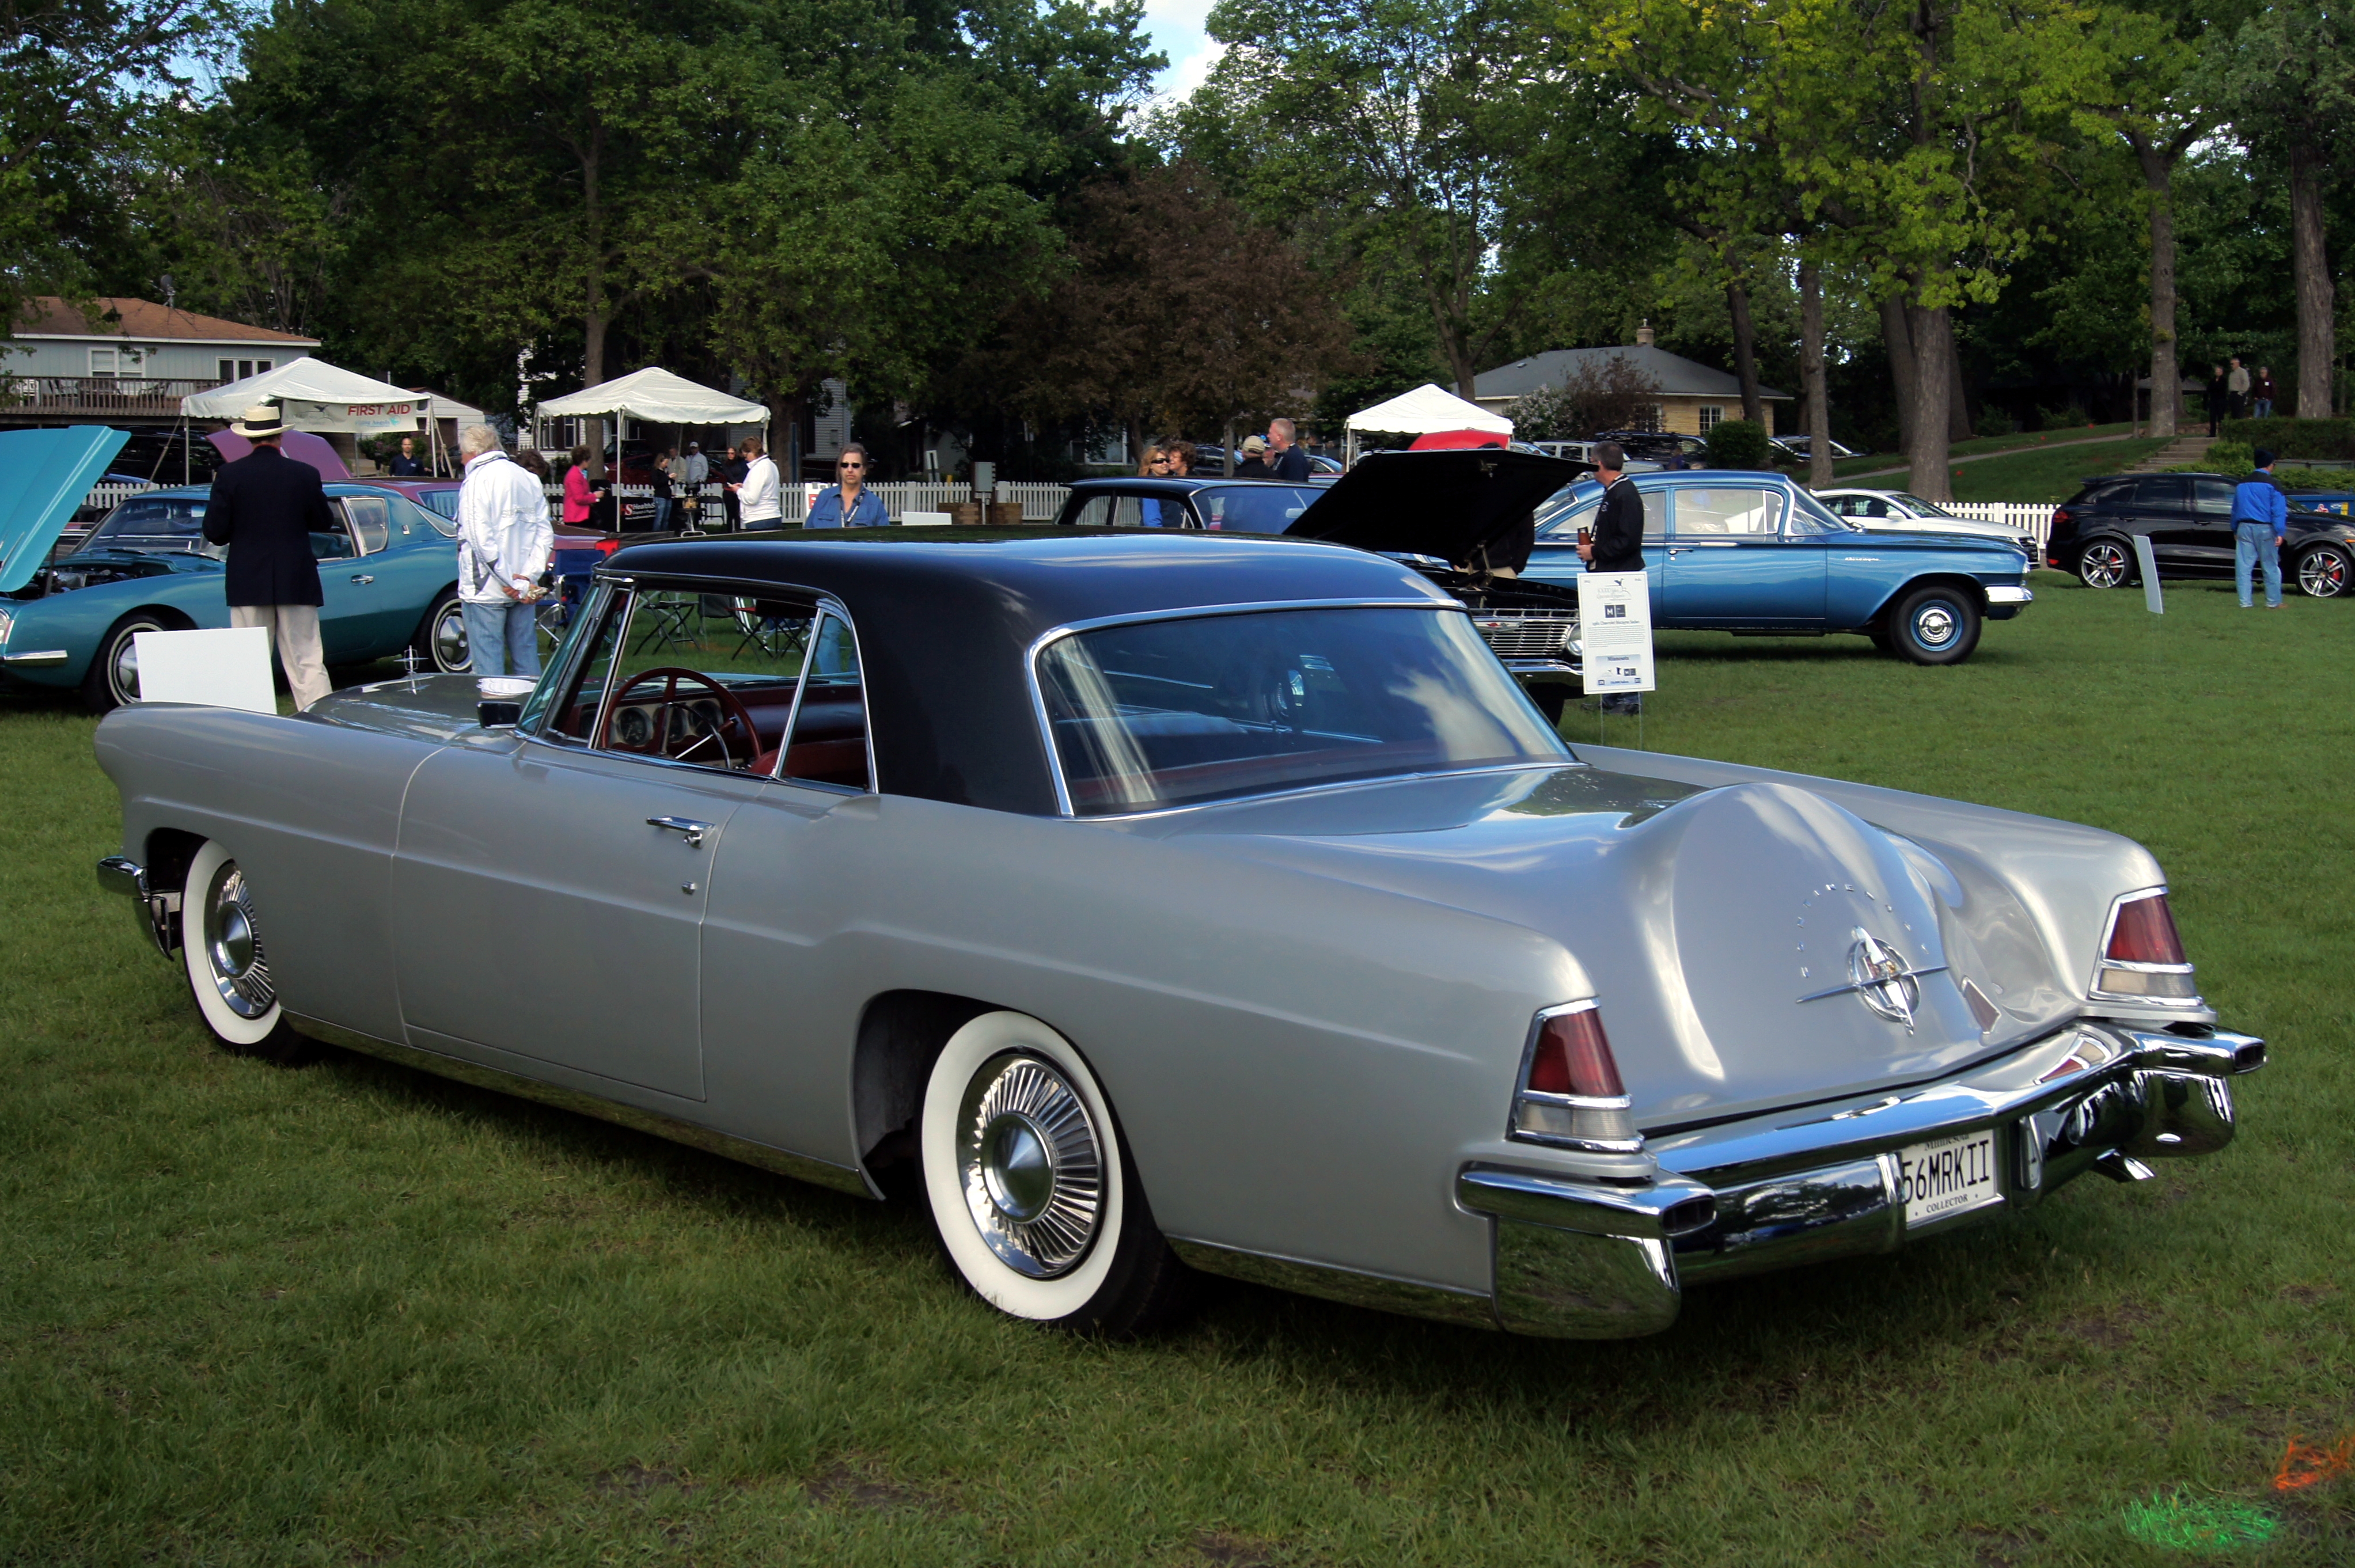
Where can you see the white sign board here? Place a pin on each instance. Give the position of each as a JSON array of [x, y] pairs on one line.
[[1614, 628], [923, 519], [2153, 598], [359, 419], [228, 669]]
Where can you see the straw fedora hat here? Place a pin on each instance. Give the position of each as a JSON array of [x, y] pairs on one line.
[[260, 422]]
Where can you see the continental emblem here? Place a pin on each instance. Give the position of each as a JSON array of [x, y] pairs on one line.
[[1881, 978]]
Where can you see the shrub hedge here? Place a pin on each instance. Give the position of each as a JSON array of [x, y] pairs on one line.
[[1737, 444], [2296, 438]]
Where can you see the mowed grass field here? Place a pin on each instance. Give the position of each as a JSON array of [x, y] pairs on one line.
[[349, 1314]]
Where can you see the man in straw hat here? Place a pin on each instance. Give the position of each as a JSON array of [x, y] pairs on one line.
[[264, 506]]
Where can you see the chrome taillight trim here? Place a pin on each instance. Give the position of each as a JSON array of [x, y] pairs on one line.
[[2103, 961], [1621, 1105]]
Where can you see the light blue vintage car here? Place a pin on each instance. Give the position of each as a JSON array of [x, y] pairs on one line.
[[1755, 552], [388, 573]]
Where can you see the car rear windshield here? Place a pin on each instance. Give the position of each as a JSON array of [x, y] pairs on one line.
[[1253, 508], [154, 522], [1163, 713]]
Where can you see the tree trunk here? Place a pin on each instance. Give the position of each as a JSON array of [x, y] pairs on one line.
[[1932, 335], [2166, 370], [1897, 333], [1958, 410], [1745, 351], [1231, 448], [1817, 404], [2311, 276]]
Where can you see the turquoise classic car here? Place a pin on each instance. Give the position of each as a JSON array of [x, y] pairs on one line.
[[387, 571]]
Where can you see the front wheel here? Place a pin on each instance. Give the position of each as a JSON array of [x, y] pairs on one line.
[[113, 678], [440, 639], [220, 939], [1033, 1198], [2323, 572], [2105, 564], [1935, 625]]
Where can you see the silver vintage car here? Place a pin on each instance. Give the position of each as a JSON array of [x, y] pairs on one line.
[[1152, 905]]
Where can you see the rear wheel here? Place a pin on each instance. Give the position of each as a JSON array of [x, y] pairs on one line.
[[2105, 564], [220, 941], [113, 678], [2323, 572], [1934, 625], [1033, 1198], [440, 639]]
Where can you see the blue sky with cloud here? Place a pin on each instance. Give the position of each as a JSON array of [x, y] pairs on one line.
[[1176, 29]]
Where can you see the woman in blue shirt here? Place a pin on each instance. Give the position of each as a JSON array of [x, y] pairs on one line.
[[850, 503]]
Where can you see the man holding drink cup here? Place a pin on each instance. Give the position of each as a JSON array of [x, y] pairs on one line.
[[1615, 542]]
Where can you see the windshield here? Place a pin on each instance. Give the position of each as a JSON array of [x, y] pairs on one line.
[[1166, 712], [154, 522], [1253, 508]]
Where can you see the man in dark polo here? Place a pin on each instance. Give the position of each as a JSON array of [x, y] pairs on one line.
[[1614, 541], [264, 506]]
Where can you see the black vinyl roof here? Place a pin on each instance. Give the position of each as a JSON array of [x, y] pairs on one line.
[[945, 621]]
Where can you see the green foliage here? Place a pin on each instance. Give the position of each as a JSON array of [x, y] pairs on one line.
[[2333, 438], [1737, 444], [2232, 456]]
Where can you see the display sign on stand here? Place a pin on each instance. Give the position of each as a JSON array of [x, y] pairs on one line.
[[1615, 629], [228, 668]]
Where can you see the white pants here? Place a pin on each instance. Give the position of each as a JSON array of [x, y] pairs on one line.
[[294, 632]]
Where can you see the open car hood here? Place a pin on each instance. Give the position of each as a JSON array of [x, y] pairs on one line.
[[44, 475], [299, 445], [1443, 504]]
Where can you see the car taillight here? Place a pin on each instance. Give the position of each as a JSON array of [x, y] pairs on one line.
[[2143, 955], [1571, 1093]]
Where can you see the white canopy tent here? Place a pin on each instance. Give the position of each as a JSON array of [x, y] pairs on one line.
[[313, 395], [654, 394], [1419, 413]]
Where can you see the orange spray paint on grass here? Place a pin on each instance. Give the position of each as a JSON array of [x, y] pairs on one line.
[[2304, 1464]]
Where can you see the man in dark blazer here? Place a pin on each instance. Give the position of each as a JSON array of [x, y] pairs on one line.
[[265, 506], [1615, 539]]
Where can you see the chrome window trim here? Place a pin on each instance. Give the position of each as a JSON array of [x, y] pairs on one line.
[[1053, 634], [828, 604], [592, 611]]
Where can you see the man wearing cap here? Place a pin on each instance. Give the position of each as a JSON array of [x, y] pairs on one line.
[[2260, 519], [1254, 463], [265, 506]]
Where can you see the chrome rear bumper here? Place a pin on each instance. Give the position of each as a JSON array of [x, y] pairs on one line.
[[158, 912], [1582, 1260]]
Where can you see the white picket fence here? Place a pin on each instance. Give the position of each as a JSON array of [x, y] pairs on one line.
[[106, 497], [2028, 517]]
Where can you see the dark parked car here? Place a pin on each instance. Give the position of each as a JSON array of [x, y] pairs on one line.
[[2189, 520], [1669, 450], [1200, 501]]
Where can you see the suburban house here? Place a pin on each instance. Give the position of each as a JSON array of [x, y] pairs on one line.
[[127, 363], [1692, 396]]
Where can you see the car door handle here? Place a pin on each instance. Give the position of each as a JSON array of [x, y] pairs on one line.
[[362, 577], [692, 830]]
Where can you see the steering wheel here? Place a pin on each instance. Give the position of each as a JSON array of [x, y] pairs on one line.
[[733, 712]]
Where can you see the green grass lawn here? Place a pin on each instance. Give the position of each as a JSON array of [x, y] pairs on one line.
[[1979, 446], [2046, 475], [349, 1314]]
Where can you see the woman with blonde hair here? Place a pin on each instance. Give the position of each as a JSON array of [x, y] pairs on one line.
[[1154, 464]]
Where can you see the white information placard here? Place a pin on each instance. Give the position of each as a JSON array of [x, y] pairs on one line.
[[227, 668], [1614, 627], [2153, 598]]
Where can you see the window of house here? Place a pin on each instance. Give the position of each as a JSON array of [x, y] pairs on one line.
[[225, 369], [1649, 417], [103, 363], [1711, 415]]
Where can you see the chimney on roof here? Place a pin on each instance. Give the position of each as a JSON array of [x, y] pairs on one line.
[[1644, 335]]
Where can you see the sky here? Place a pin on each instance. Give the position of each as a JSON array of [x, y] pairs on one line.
[[1177, 28]]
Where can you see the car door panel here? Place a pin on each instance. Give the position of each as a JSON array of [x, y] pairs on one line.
[[2208, 542], [519, 835], [2162, 508], [1731, 562]]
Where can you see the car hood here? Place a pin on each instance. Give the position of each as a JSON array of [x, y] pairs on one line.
[[44, 475], [1706, 918], [1969, 527], [1443, 504]]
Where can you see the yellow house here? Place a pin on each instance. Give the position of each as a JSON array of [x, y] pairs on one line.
[[1692, 397]]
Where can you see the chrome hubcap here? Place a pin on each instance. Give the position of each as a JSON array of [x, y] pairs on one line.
[[1934, 625], [233, 946], [449, 650], [1031, 1164], [126, 664], [2106, 566]]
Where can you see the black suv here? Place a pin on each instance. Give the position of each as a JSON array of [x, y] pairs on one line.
[[2189, 517]]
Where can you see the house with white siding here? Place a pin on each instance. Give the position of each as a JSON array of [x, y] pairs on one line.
[[126, 362]]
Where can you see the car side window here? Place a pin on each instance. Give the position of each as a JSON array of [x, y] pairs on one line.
[[2212, 499], [332, 543], [2160, 491], [830, 740], [1095, 512], [1729, 513], [684, 674], [371, 521], [1581, 516]]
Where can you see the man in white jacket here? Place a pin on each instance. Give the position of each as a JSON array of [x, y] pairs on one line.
[[760, 498], [504, 541]]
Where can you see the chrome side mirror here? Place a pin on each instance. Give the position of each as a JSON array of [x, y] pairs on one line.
[[494, 713]]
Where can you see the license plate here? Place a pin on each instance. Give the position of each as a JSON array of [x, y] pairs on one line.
[[1950, 1177]]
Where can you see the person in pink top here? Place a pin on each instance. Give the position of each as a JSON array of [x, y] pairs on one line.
[[580, 499]]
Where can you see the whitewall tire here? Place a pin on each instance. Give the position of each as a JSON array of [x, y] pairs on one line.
[[1033, 1198], [228, 971]]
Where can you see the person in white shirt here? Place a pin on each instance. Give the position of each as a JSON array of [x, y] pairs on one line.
[[761, 496], [504, 541]]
